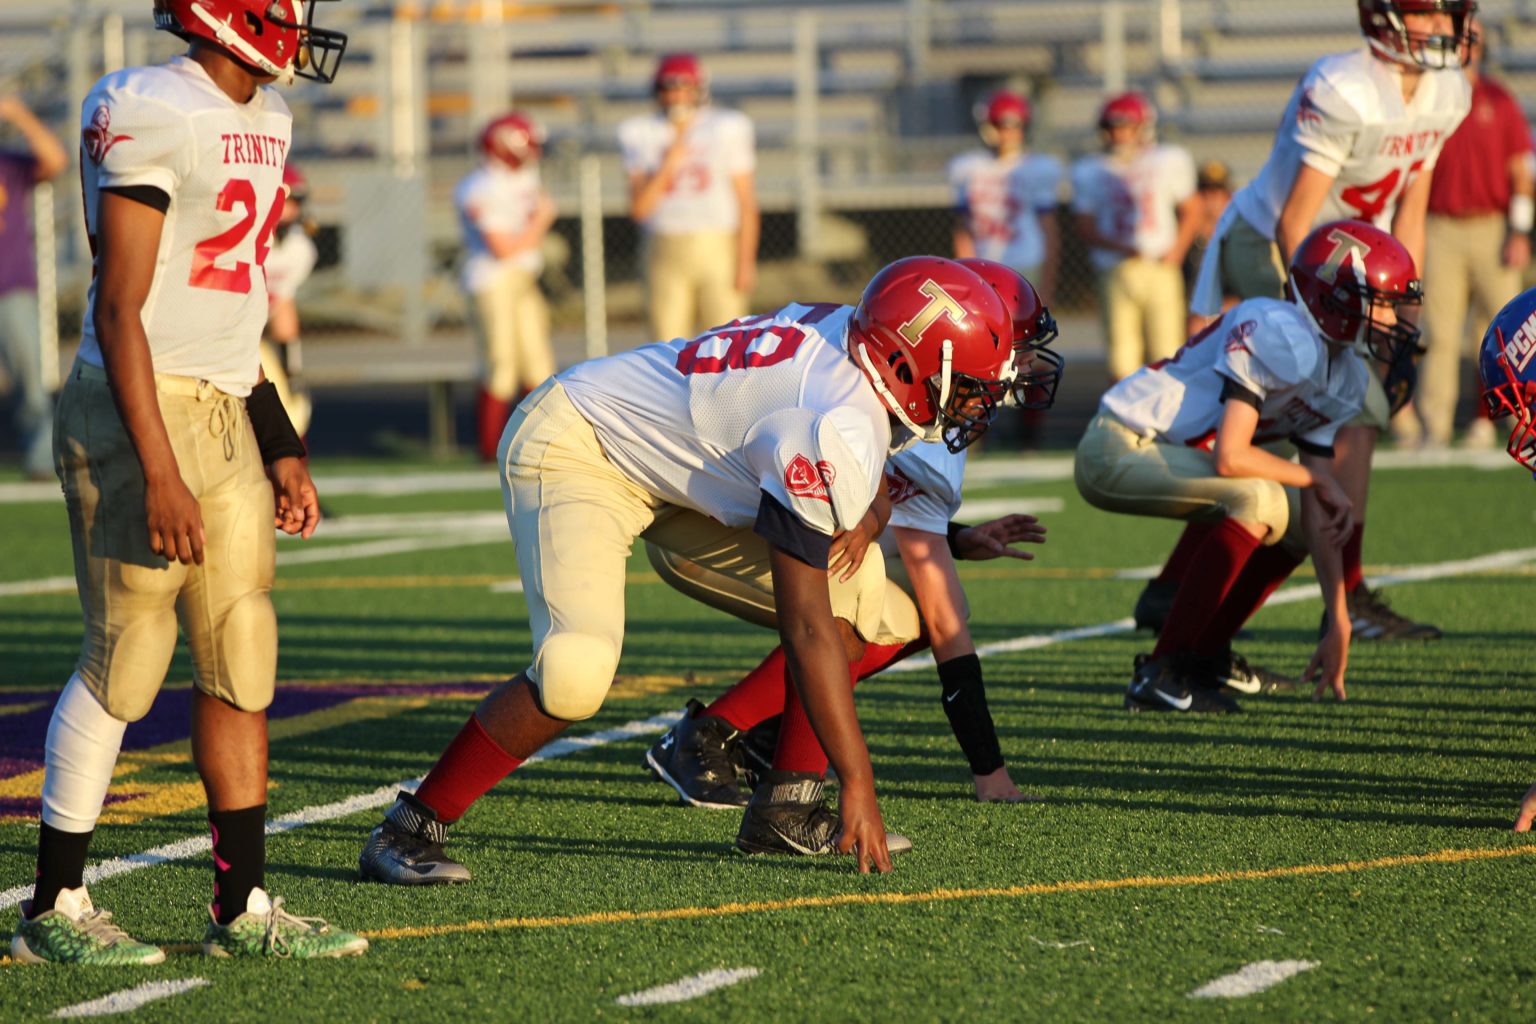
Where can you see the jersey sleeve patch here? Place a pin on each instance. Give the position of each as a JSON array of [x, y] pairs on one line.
[[803, 460], [1325, 126], [784, 530], [136, 141]]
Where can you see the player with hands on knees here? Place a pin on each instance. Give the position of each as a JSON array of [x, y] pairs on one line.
[[746, 450]]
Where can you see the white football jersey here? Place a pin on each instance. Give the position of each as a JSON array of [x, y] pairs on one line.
[[221, 163], [1134, 201], [495, 197], [768, 403], [1264, 346], [702, 197], [923, 483], [1003, 201], [1347, 119], [290, 263]]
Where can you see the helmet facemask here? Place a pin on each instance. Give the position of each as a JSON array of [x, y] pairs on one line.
[[320, 49], [1035, 380], [1516, 398]]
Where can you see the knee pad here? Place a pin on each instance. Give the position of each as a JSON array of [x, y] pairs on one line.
[[136, 664], [572, 673], [80, 751], [247, 654]]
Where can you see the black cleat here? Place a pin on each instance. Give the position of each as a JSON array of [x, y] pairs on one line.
[[790, 817], [695, 758], [1168, 684], [406, 848], [1371, 618], [1155, 602], [1233, 671], [754, 754]]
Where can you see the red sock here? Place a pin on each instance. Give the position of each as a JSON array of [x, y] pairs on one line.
[[1177, 566], [1267, 568], [491, 419], [1354, 575], [1213, 570], [799, 750], [465, 772], [879, 657], [757, 698]]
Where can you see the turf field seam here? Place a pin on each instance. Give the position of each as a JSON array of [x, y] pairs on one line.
[[603, 917]]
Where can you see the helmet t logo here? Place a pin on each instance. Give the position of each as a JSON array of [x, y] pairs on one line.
[[1345, 246], [939, 303]]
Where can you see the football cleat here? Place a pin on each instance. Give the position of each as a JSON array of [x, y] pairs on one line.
[[1168, 684], [754, 754], [695, 758], [792, 818], [1154, 603], [406, 848], [267, 930], [1371, 618], [1233, 671], [75, 932]]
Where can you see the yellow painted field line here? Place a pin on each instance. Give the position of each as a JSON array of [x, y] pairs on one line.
[[949, 895]]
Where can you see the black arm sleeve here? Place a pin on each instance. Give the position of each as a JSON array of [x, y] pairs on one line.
[[150, 196], [965, 703], [783, 529], [1232, 389], [952, 532], [275, 436]]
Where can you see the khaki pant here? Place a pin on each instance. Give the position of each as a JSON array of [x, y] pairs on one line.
[[1120, 471], [133, 599], [511, 321], [691, 283], [1463, 268], [574, 518], [1141, 308], [1251, 267]]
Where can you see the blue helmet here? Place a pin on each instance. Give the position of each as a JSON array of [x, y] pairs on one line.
[[1507, 365]]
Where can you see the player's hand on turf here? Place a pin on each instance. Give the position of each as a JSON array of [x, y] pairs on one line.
[[1527, 811], [298, 504], [997, 787], [175, 521], [850, 547], [1338, 512], [992, 539], [1327, 666], [863, 832]]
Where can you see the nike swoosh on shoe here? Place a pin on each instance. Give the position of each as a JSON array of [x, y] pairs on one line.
[[1182, 704]]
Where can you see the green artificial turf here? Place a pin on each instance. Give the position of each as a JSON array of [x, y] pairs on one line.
[[1431, 753]]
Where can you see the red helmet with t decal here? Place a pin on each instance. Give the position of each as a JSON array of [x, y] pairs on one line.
[[1340, 276], [1038, 367], [512, 139], [275, 37], [935, 341]]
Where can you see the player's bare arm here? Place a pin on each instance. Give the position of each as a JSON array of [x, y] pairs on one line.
[[48, 156], [1522, 187], [1188, 216], [1299, 214], [127, 243], [963, 242], [850, 546], [1324, 543], [506, 244], [819, 669], [1408, 224], [646, 190], [1088, 231], [1235, 454], [1046, 285], [750, 232]]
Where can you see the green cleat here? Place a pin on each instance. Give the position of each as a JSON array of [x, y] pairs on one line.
[[75, 932], [266, 929]]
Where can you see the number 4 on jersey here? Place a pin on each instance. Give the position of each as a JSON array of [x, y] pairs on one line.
[[205, 271]]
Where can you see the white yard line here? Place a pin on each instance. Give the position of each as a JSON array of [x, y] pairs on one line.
[[130, 999], [689, 988], [408, 524], [1253, 978], [981, 509]]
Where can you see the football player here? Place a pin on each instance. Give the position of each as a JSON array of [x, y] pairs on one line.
[[170, 447], [1358, 139], [693, 192], [289, 264], [1199, 437], [504, 215], [1507, 365], [1137, 209], [755, 449], [1005, 196], [699, 756]]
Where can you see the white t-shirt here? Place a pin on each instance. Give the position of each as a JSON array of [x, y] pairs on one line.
[[923, 483], [221, 162], [290, 263], [1263, 346], [1003, 201], [495, 197], [702, 197], [768, 403], [1134, 201]]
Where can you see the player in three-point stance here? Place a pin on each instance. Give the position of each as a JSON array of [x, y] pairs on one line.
[[170, 446], [1205, 437], [1359, 139], [712, 750], [755, 449]]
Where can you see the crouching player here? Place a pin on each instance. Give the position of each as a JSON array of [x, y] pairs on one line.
[[748, 450], [1194, 438], [703, 756]]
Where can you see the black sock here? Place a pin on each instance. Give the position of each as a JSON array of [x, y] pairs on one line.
[[60, 865], [239, 858]]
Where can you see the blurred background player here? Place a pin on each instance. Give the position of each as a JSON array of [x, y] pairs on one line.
[[1358, 139], [1478, 242], [289, 263], [1005, 196], [693, 192], [1213, 184], [1136, 207], [504, 215], [39, 158]]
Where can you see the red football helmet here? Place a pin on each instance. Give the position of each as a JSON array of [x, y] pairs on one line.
[[935, 341], [1340, 272], [1382, 23], [1001, 109], [270, 36], [513, 139], [685, 70], [1038, 367], [1129, 108]]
